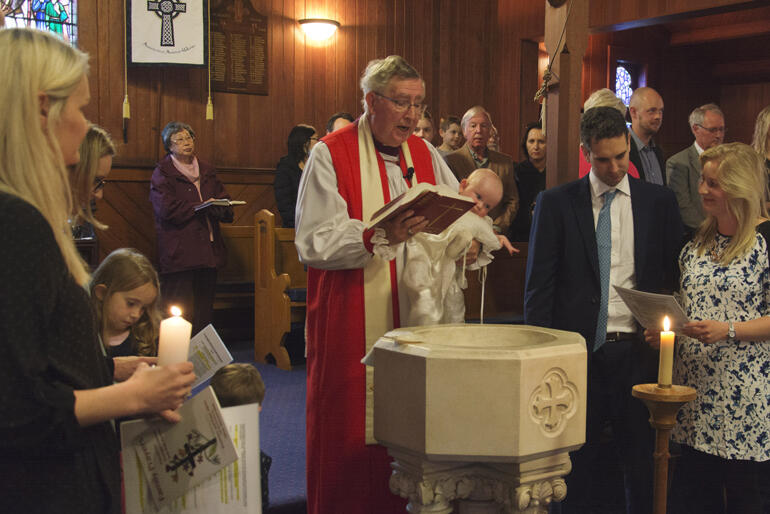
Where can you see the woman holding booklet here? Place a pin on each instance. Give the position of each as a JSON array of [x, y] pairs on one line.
[[724, 352], [190, 245], [58, 450]]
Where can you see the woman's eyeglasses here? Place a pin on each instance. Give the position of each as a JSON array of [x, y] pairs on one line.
[[182, 139], [99, 183]]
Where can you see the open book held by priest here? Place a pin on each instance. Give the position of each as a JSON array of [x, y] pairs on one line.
[[438, 204]]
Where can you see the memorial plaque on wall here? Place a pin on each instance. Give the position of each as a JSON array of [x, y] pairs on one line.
[[238, 48]]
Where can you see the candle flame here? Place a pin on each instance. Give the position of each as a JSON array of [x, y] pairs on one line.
[[666, 324], [176, 311]]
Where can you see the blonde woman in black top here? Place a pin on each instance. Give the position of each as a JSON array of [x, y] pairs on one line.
[[58, 449]]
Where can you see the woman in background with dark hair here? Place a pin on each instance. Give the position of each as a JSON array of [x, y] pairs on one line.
[[530, 179], [302, 139]]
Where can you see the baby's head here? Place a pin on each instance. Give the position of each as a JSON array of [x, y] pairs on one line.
[[238, 384], [124, 290], [485, 188]]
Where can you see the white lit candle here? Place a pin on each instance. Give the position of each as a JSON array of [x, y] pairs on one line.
[[174, 343], [666, 362]]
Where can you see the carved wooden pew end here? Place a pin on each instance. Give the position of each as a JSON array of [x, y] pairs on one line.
[[277, 268]]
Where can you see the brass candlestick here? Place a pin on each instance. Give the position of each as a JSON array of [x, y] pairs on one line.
[[663, 404]]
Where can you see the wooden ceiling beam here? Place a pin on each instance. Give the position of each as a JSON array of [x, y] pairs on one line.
[[721, 33]]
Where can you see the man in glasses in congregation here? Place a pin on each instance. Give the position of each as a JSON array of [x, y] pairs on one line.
[[683, 169]]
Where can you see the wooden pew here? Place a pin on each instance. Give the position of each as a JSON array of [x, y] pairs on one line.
[[233, 314], [276, 269]]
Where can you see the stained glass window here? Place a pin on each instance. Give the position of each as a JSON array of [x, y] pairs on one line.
[[57, 16], [623, 84]]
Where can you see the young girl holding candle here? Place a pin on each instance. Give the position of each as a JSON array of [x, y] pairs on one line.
[[124, 292]]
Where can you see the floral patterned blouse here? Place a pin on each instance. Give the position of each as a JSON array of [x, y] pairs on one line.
[[731, 415]]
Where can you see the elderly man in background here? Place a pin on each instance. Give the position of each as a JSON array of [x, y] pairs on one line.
[[683, 169], [646, 108], [477, 127], [353, 294]]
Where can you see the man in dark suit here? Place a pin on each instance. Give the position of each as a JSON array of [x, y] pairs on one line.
[[646, 108], [683, 169], [474, 154], [602, 230]]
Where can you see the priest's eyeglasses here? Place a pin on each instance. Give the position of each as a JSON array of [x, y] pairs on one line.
[[403, 105]]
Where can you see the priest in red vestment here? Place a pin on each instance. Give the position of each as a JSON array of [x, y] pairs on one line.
[[353, 281]]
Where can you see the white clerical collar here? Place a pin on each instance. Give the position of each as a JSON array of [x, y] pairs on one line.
[[598, 188], [698, 148]]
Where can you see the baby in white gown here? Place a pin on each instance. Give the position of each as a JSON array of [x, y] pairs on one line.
[[431, 275]]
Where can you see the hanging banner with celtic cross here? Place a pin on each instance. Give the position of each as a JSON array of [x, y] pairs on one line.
[[167, 32]]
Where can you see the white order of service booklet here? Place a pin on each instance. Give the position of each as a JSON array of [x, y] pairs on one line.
[[649, 309], [208, 353], [207, 463]]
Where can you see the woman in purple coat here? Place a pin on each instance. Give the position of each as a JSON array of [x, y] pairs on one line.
[[190, 245]]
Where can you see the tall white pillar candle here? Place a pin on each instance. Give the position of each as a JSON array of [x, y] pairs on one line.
[[666, 363], [174, 343]]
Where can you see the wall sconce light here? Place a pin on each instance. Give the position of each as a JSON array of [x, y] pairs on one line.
[[318, 29]]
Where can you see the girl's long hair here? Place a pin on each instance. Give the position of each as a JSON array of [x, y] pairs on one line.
[[123, 270], [97, 144]]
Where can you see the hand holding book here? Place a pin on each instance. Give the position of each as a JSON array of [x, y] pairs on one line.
[[403, 226], [218, 202], [439, 206]]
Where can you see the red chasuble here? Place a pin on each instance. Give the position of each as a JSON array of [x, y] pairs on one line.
[[343, 473]]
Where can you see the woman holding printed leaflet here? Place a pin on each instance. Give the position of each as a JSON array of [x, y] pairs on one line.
[[190, 245], [724, 352], [58, 449]]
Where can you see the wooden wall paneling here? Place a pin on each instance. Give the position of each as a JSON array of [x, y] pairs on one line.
[[126, 209], [432, 35], [306, 84], [490, 42], [474, 56], [595, 65], [293, 37], [444, 85], [741, 104], [348, 52], [529, 110], [515, 21], [321, 74], [686, 84], [88, 40], [276, 111]]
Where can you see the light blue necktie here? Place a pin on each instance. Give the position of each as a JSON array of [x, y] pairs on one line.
[[604, 246]]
